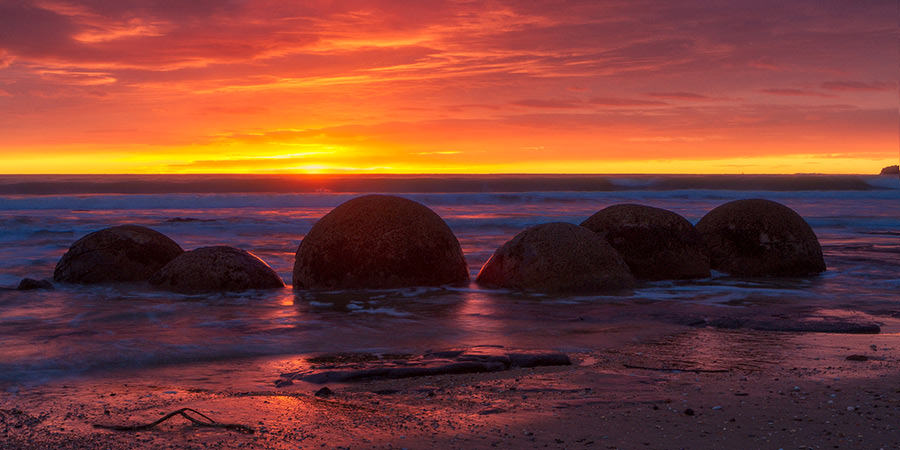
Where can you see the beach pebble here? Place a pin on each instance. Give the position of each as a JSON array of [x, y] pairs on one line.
[[376, 242], [122, 253], [324, 392], [557, 258], [216, 269], [760, 238], [655, 243]]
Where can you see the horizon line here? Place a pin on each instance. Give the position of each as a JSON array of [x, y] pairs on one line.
[[440, 174]]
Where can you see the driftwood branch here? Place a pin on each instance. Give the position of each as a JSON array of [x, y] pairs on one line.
[[203, 421]]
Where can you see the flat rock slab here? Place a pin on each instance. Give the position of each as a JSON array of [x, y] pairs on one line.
[[801, 325], [446, 362]]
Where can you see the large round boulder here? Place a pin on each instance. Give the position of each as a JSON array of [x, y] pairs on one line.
[[760, 238], [557, 258], [216, 269], [122, 253], [376, 242], [657, 244]]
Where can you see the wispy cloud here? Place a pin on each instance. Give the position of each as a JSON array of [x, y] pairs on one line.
[[794, 92], [612, 101], [856, 86], [544, 103], [679, 96]]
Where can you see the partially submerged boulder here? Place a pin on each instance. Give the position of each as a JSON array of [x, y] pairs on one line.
[[657, 244], [891, 170], [30, 284], [557, 258], [379, 241], [760, 238], [216, 269], [122, 253]]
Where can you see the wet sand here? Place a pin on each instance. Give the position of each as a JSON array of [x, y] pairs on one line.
[[733, 389]]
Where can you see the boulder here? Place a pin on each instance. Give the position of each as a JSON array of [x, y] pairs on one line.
[[122, 253], [379, 242], [557, 258], [657, 244], [216, 269], [30, 284], [760, 238]]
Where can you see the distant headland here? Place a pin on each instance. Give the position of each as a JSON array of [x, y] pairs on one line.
[[891, 170]]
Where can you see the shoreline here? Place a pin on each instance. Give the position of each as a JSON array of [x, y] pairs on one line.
[[750, 389]]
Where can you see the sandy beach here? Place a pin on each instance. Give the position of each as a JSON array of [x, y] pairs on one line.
[[733, 389]]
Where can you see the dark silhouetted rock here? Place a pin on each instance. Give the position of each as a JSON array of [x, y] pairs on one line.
[[468, 361], [760, 238], [216, 269], [352, 375], [122, 253], [324, 392], [799, 325], [655, 243], [379, 241], [891, 170], [29, 284], [557, 258], [538, 359]]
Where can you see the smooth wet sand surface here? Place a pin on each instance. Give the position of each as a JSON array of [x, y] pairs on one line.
[[735, 389]]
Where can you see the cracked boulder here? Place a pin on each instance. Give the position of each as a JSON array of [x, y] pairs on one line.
[[216, 269], [558, 258], [125, 253], [379, 242], [657, 244], [760, 238]]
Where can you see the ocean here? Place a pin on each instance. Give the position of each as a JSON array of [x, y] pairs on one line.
[[83, 330]]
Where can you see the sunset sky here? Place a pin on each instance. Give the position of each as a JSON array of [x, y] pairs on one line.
[[594, 86]]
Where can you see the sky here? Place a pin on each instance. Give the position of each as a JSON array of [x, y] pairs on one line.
[[456, 86]]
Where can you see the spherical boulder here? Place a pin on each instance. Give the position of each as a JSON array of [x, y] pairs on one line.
[[557, 258], [760, 238], [216, 269], [657, 244], [117, 254], [379, 242]]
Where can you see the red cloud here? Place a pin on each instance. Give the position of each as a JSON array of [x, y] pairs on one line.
[[553, 104], [795, 93], [612, 101], [858, 86], [679, 95]]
